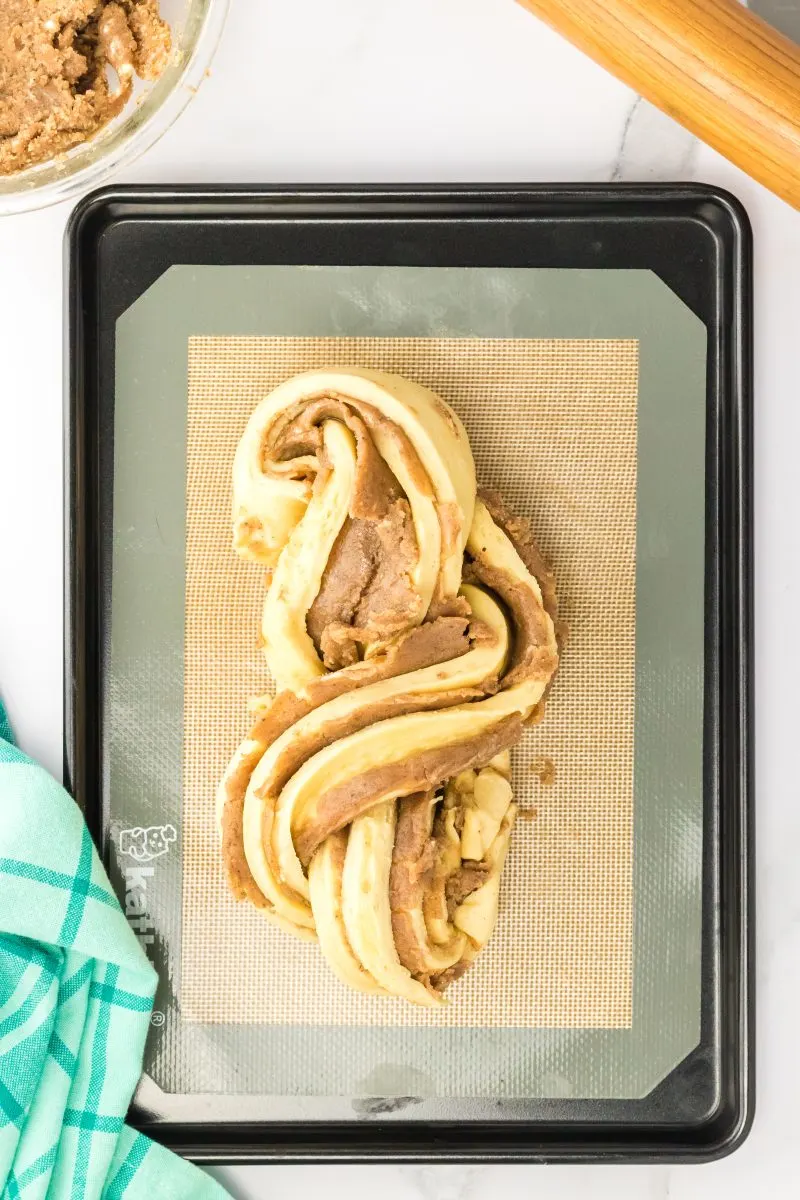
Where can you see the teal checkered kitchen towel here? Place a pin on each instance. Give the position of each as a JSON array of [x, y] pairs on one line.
[[75, 997]]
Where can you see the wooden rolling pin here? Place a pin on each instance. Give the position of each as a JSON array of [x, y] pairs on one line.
[[714, 66]]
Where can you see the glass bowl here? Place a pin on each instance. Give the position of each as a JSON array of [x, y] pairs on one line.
[[196, 28]]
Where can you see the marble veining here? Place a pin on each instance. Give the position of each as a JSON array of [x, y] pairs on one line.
[[652, 147]]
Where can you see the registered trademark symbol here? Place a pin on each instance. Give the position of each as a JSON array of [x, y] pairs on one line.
[[157, 1019]]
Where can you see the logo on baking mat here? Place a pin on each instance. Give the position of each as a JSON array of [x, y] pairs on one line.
[[146, 844]]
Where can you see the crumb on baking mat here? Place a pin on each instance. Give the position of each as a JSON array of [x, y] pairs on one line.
[[544, 769]]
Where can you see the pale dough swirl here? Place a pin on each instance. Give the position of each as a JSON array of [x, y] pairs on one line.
[[409, 626]]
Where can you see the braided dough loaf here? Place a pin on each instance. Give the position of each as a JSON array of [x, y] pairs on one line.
[[409, 626]]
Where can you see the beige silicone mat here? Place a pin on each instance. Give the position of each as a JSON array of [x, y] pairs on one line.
[[553, 427]]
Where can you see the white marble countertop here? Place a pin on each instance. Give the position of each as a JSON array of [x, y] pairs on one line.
[[462, 91]]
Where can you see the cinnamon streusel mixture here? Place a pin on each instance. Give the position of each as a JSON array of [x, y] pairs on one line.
[[67, 67]]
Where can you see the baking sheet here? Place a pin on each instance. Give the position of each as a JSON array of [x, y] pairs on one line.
[[148, 269]]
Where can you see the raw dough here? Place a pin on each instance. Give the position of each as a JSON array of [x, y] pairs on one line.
[[410, 626], [67, 68]]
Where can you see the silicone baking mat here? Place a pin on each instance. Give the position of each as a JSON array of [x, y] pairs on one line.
[[591, 985], [552, 424]]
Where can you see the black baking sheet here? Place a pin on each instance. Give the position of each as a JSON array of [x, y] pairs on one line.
[[693, 239]]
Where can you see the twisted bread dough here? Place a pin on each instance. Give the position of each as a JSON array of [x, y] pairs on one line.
[[409, 625]]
